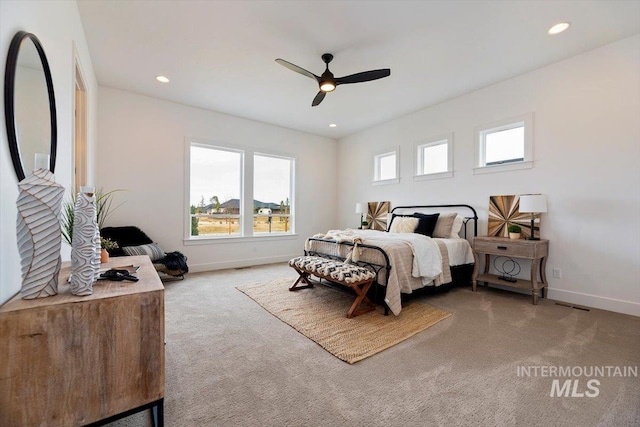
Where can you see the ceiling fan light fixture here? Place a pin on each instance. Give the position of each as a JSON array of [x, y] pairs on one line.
[[328, 82], [327, 86]]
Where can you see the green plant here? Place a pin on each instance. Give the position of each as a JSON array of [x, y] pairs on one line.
[[194, 222], [513, 228], [66, 220], [108, 244], [104, 208]]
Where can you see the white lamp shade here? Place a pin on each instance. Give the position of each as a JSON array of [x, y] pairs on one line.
[[360, 208], [533, 203]]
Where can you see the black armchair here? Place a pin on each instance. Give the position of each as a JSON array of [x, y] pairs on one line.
[[133, 241]]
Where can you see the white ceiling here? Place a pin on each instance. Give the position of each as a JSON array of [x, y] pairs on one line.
[[220, 55]]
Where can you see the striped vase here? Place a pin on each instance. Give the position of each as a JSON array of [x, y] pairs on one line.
[[39, 234]]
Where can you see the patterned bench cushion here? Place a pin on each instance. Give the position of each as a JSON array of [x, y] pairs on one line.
[[336, 270]]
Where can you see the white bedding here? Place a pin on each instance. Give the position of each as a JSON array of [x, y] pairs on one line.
[[408, 272], [459, 251]]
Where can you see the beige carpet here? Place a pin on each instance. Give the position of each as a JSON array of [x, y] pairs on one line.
[[231, 363], [320, 315]]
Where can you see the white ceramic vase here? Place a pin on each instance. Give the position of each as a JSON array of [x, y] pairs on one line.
[[39, 234], [85, 244]]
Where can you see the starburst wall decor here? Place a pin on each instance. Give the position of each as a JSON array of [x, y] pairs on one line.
[[377, 215], [504, 211]]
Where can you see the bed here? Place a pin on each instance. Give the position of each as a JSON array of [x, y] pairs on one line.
[[406, 260]]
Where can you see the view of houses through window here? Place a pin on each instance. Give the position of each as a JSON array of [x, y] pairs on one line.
[[271, 193], [217, 191]]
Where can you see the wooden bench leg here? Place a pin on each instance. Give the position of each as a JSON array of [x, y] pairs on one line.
[[304, 277], [361, 291]]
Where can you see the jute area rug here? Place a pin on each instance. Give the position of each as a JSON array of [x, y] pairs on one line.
[[319, 314]]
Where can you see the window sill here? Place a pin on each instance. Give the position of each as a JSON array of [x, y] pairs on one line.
[[503, 168], [439, 175], [386, 181], [238, 239]]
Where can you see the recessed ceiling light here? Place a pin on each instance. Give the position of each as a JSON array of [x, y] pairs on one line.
[[558, 28], [332, 125], [162, 79]]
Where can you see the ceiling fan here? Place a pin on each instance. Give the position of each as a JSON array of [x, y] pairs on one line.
[[328, 82]]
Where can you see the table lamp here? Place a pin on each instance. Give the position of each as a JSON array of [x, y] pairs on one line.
[[361, 209], [533, 204]]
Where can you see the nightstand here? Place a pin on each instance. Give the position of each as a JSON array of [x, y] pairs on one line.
[[534, 250]]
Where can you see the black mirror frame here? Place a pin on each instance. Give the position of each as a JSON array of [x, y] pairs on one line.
[[9, 112]]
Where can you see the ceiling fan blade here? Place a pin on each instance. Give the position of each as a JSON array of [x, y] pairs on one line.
[[294, 67], [365, 76], [318, 99]]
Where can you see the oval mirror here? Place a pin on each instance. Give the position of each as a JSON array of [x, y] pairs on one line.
[[29, 104]]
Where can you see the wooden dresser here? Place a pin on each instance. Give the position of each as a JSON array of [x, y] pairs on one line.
[[68, 360]]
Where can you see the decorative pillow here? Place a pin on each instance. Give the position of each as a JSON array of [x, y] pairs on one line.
[[391, 217], [444, 225], [456, 227], [405, 224], [152, 249], [427, 223]]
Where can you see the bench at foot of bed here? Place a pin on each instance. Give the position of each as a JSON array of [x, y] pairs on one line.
[[353, 276]]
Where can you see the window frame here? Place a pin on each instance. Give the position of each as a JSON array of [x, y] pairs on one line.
[[526, 122], [246, 193], [292, 176], [376, 157], [442, 139]]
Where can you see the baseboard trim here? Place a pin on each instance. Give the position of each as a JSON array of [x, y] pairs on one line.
[[211, 266], [595, 301]]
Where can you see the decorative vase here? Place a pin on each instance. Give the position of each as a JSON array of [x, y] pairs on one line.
[[39, 234], [104, 256], [85, 246], [514, 236]]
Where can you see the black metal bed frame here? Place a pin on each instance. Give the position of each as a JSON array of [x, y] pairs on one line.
[[376, 268], [473, 218]]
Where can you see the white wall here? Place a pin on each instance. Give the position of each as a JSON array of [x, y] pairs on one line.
[[57, 25], [142, 142], [587, 161]]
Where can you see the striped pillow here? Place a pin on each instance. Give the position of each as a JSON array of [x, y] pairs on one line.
[[152, 249]]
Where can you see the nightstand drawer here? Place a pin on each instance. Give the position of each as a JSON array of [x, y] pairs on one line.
[[506, 248]]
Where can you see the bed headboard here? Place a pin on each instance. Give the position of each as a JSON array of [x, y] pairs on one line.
[[469, 213]]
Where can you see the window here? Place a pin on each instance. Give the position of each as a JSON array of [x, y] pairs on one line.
[[385, 167], [237, 193], [505, 145], [271, 193], [434, 158], [215, 189]]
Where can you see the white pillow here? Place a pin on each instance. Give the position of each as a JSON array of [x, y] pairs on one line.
[[456, 227], [403, 225]]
